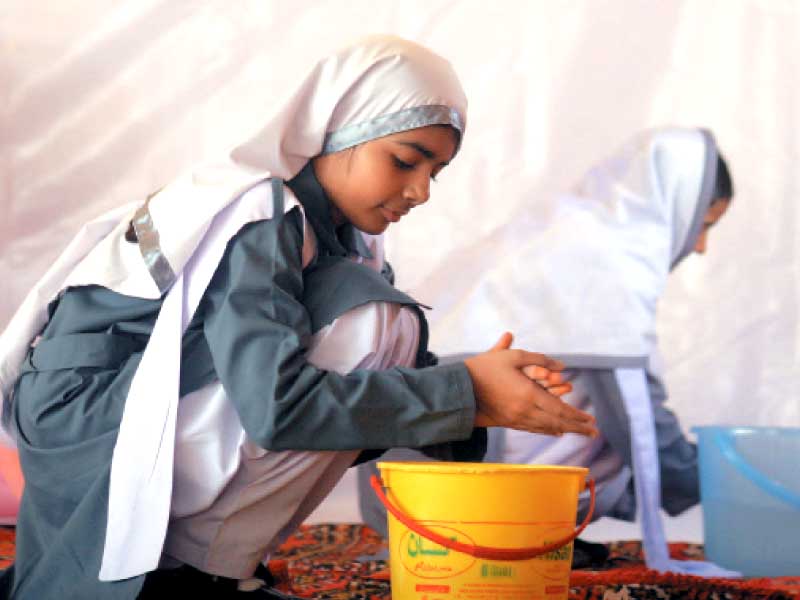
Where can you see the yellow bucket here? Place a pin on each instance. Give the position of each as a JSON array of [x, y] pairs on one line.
[[480, 531]]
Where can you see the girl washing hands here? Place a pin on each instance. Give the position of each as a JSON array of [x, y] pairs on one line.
[[197, 370]]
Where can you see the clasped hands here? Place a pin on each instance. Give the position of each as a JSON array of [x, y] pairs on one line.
[[522, 390]]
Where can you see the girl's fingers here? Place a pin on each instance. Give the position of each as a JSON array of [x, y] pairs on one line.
[[537, 373], [552, 381], [586, 429], [560, 390], [553, 405], [523, 358], [504, 343], [507, 394], [552, 425]]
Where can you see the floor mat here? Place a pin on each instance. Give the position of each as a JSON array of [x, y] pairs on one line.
[[321, 561]]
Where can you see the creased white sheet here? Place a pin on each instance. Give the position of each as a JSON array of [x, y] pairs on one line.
[[102, 103]]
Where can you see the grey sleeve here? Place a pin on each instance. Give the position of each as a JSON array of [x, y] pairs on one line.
[[680, 486], [258, 333]]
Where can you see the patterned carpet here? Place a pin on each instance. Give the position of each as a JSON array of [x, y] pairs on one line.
[[319, 561]]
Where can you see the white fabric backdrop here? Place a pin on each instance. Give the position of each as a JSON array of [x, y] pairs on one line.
[[102, 103]]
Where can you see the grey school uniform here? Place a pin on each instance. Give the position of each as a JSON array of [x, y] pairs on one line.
[[69, 400]]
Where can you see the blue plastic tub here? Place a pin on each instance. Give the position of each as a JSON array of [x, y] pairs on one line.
[[750, 489]]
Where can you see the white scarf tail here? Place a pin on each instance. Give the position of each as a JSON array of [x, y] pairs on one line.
[[647, 480]]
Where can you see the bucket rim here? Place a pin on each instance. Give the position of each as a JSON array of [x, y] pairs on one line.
[[471, 468], [747, 429]]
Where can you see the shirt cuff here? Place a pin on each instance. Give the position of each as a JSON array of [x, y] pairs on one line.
[[460, 384]]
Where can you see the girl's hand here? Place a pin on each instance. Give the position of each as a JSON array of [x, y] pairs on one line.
[[552, 381], [508, 396]]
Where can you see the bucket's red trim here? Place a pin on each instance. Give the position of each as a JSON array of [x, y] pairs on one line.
[[486, 552]]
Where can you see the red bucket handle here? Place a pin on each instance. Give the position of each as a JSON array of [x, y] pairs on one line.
[[486, 552]]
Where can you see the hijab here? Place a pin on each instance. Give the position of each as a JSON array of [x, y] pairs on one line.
[[583, 282]]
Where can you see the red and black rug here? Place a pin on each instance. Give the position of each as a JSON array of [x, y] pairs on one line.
[[320, 561]]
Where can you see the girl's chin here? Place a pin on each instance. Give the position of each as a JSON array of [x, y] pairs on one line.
[[374, 226], [374, 229]]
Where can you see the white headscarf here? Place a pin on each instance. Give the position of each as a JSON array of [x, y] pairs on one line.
[[379, 86], [583, 281]]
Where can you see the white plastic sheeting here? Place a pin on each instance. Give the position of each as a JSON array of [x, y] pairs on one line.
[[102, 103]]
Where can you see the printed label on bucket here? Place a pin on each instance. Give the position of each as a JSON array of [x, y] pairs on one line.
[[428, 571], [428, 560]]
